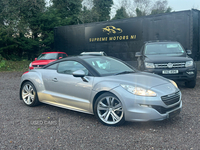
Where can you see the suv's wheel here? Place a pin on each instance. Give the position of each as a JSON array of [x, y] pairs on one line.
[[109, 110], [190, 84], [29, 94]]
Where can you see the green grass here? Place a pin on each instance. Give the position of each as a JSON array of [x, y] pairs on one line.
[[8, 65]]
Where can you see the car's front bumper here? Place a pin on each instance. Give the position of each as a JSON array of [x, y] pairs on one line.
[[184, 74], [150, 114], [140, 108]]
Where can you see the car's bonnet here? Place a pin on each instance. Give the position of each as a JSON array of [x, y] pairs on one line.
[[42, 62], [141, 79], [161, 58]]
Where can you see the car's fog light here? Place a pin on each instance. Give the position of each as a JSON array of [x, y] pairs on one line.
[[190, 72], [143, 105]]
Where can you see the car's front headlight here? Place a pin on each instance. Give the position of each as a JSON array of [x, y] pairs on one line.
[[189, 63], [149, 65], [138, 90], [174, 83], [30, 65]]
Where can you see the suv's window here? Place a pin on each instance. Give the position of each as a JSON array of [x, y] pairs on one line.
[[163, 48], [68, 67]]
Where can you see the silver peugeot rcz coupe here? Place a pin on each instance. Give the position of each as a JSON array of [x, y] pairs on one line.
[[109, 88]]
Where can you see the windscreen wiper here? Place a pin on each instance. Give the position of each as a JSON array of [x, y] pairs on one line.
[[125, 72]]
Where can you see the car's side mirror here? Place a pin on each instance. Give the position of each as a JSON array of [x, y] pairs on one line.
[[35, 58], [138, 54], [78, 73], [59, 57], [189, 52]]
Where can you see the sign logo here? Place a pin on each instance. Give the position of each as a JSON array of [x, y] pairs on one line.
[[112, 29], [117, 32]]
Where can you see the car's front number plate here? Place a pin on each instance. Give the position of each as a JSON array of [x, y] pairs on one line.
[[170, 71]]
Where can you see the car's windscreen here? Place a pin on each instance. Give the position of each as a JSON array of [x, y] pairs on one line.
[[108, 66], [47, 56], [163, 49]]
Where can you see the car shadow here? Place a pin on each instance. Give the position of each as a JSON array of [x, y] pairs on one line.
[[89, 119]]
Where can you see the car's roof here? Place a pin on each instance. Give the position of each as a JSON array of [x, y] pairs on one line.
[[82, 56], [53, 52], [101, 53], [155, 42]]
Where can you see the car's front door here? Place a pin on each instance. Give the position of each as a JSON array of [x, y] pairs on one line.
[[73, 92]]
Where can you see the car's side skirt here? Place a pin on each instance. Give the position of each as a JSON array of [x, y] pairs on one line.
[[66, 106]]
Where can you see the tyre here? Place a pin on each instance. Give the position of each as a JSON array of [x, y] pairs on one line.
[[29, 94], [190, 84], [109, 110]]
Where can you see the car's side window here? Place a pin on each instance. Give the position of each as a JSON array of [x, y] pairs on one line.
[[68, 67], [53, 67], [64, 55], [60, 55]]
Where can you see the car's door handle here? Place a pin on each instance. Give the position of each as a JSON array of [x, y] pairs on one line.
[[55, 80]]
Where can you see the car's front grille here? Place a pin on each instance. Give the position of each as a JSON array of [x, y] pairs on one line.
[[171, 98], [170, 65], [39, 66], [163, 110]]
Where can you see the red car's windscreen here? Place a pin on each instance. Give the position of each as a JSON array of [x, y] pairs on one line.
[[47, 56]]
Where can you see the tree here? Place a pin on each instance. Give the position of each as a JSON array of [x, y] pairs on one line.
[[47, 21], [68, 9], [139, 13], [160, 7], [7, 43], [30, 13], [102, 9], [121, 14], [142, 7], [95, 11], [88, 15], [137, 7], [1, 12], [27, 26], [9, 23]]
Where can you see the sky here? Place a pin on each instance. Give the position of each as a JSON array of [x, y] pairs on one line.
[[180, 5]]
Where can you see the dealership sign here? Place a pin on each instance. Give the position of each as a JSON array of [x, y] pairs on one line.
[[113, 33]]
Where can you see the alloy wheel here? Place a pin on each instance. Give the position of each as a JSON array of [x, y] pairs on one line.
[[28, 94], [110, 110]]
